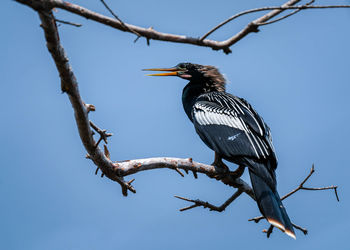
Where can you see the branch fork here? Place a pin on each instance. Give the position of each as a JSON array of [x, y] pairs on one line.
[[150, 33], [116, 171], [102, 132], [205, 204], [300, 187]]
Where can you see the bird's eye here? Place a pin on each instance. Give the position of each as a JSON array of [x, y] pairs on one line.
[[181, 65]]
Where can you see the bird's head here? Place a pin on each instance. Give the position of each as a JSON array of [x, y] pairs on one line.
[[197, 74]]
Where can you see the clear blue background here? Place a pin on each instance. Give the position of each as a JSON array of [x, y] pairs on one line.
[[295, 73]]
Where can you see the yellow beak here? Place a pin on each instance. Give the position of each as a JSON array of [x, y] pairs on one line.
[[173, 72]]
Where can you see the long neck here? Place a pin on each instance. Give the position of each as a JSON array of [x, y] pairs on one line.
[[207, 80], [189, 96]]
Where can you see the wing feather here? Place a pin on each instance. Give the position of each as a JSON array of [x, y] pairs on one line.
[[230, 125]]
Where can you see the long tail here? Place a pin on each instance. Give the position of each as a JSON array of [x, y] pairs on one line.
[[270, 205]]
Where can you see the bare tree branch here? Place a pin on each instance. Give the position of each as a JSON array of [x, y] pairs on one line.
[[116, 171], [150, 33], [69, 85], [300, 187], [103, 133], [205, 204], [124, 168], [212, 207], [276, 10], [288, 15]]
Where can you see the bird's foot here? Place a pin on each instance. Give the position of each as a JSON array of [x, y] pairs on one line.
[[222, 166]]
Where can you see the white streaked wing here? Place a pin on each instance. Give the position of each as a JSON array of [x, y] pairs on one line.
[[207, 115], [250, 113], [257, 143], [237, 106]]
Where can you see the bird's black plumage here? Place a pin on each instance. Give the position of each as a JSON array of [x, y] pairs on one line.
[[230, 127], [235, 132]]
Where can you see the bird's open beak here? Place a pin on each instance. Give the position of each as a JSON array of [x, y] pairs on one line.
[[173, 72]]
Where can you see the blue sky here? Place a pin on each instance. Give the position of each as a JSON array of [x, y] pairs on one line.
[[295, 73]]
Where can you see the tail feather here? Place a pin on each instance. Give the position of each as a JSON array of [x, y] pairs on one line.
[[270, 205]]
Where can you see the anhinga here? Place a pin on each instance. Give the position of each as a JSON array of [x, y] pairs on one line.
[[233, 129]]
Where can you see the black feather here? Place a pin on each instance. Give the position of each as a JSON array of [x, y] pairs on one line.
[[234, 130]]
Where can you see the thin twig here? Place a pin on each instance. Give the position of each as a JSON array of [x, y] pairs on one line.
[[274, 8], [268, 231], [121, 22], [69, 23], [304, 230], [235, 17], [103, 133], [301, 184], [279, 19], [131, 181], [180, 173], [300, 187], [195, 174], [281, 8], [324, 188], [89, 107], [206, 204], [288, 15], [257, 219]]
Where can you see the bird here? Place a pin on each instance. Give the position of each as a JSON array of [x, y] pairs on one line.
[[232, 128]]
